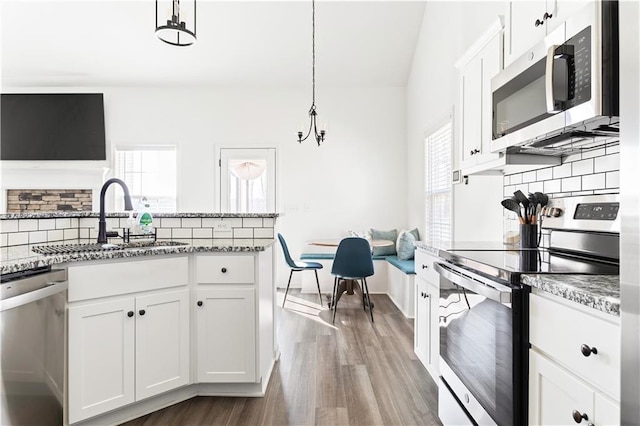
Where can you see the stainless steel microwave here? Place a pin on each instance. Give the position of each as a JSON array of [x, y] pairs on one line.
[[562, 95]]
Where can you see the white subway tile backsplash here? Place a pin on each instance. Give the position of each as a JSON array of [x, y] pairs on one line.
[[4, 240], [55, 235], [582, 167], [581, 193], [75, 222], [571, 158], [596, 181], [27, 225], [529, 177], [181, 233], [572, 184], [171, 222], [113, 223], [562, 171], [594, 153], [9, 225], [524, 187], [612, 179], [516, 179], [164, 233], [263, 233], [608, 163], [551, 186], [63, 223], [191, 222], [268, 222], [17, 238], [203, 233], [46, 224], [36, 237], [612, 149], [243, 233], [93, 233], [223, 234], [509, 190], [83, 233], [536, 187], [88, 222], [70, 234], [252, 222], [544, 174]]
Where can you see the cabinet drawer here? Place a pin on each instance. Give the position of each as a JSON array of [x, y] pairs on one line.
[[560, 330], [424, 266], [225, 269]]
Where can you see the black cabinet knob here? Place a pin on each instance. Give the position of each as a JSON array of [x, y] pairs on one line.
[[586, 350], [223, 270], [475, 151], [142, 312], [538, 22], [199, 303], [578, 416], [547, 16], [130, 314], [425, 267]]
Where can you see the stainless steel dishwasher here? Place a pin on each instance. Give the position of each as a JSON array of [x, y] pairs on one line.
[[32, 305]]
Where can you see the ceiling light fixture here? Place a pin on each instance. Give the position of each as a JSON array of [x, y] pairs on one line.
[[312, 112], [176, 32]]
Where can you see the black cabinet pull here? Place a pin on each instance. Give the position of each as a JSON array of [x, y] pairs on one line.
[[578, 416], [547, 16], [142, 312], [223, 270], [199, 303], [538, 23], [475, 151], [425, 267], [130, 314], [586, 350]]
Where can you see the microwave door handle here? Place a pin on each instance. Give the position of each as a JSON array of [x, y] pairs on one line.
[[548, 81], [499, 293]]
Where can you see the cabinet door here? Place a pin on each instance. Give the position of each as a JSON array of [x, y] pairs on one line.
[[433, 292], [471, 110], [554, 393], [162, 342], [101, 357], [226, 346], [561, 10], [521, 33], [491, 65], [421, 323], [607, 411]]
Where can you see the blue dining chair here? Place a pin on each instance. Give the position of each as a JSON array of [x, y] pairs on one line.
[[298, 266], [352, 261]]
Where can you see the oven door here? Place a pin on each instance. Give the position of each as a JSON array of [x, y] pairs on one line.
[[481, 345]]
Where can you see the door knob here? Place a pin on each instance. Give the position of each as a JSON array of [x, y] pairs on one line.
[[142, 312], [223, 270], [578, 416], [130, 314], [199, 303], [538, 23]]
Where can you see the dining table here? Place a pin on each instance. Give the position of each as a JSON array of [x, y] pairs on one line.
[[347, 286]]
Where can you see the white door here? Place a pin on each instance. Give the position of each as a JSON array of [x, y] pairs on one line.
[[162, 342], [101, 357], [247, 180], [226, 347]]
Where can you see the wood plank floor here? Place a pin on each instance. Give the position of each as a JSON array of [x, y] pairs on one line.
[[352, 373]]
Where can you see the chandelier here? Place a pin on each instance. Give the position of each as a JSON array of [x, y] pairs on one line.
[[174, 30], [312, 111]]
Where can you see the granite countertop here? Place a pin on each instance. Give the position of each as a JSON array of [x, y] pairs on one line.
[[49, 215], [22, 258], [601, 292], [435, 247]]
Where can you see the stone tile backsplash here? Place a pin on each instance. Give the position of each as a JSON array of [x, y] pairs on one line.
[[69, 230]]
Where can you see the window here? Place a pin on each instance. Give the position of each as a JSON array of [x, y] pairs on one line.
[[438, 184], [247, 180], [148, 171]]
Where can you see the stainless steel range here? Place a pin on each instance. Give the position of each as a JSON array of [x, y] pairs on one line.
[[483, 308]]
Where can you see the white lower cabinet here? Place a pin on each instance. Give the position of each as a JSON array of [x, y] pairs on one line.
[[226, 334], [426, 336], [126, 349]]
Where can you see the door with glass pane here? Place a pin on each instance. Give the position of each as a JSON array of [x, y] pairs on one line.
[[247, 180]]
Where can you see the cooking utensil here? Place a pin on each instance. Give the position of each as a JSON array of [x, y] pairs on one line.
[[522, 199], [514, 206]]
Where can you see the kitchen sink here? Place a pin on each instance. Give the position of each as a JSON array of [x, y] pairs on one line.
[[83, 248]]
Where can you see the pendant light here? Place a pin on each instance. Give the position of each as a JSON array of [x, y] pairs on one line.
[[313, 115], [175, 31]]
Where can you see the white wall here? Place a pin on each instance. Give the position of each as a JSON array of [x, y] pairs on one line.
[[355, 180], [448, 29]]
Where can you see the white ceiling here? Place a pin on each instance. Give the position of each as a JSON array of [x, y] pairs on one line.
[[240, 43]]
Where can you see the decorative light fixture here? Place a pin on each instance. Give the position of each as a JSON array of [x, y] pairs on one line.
[[312, 112], [175, 31]]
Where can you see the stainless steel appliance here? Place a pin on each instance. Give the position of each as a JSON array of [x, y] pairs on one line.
[[563, 94], [483, 308], [32, 306]]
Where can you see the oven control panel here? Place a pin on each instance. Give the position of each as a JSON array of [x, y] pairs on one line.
[[597, 211]]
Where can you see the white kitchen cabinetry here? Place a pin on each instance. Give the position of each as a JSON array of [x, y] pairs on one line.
[[126, 343], [574, 365], [426, 328], [528, 22], [478, 66]]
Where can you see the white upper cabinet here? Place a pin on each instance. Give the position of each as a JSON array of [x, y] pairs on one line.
[[478, 66], [528, 22]]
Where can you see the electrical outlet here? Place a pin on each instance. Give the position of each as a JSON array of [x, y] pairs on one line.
[[222, 226]]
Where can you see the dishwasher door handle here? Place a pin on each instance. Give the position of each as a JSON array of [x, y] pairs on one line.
[[33, 296], [494, 291]]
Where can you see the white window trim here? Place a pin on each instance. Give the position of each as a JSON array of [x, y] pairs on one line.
[[444, 179]]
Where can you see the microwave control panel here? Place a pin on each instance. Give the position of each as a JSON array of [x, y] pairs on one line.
[[579, 69]]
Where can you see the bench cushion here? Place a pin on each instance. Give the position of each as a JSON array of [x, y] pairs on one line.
[[330, 256], [406, 266]]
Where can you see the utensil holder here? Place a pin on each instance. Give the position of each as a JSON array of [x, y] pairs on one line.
[[528, 235]]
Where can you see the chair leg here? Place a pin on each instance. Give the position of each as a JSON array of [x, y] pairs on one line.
[[287, 290], [318, 283], [335, 298], [364, 303], [368, 298]]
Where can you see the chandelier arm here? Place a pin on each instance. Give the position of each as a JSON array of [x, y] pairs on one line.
[[308, 132]]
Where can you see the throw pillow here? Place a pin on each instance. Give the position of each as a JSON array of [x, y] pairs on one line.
[[406, 247], [413, 231], [384, 235]]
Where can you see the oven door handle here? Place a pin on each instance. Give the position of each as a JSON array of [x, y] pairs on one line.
[[494, 291]]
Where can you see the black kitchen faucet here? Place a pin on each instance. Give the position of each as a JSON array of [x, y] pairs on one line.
[[102, 224]]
